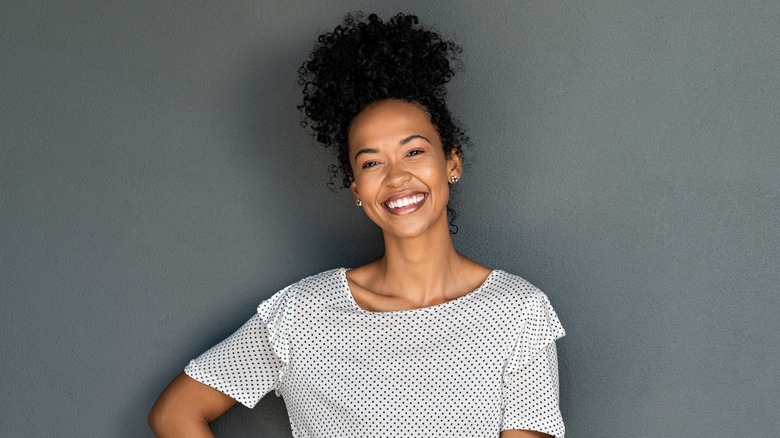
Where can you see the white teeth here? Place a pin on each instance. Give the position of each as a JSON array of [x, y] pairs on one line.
[[404, 202]]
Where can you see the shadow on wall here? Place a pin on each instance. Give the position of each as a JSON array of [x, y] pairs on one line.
[[268, 418]]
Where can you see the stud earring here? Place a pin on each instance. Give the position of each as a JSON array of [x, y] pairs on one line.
[[453, 179], [358, 202]]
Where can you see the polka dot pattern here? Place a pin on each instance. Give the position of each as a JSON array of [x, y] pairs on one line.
[[470, 367]]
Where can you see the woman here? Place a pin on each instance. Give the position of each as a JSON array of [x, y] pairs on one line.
[[421, 342]]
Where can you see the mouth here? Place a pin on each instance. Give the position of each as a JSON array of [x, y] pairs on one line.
[[405, 203]]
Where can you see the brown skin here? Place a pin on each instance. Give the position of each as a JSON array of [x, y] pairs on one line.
[[396, 154], [523, 434], [186, 407], [395, 151]]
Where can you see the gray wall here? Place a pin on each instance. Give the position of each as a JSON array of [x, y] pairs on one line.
[[155, 186]]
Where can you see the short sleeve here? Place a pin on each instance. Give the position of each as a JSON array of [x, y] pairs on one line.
[[530, 380], [249, 363]]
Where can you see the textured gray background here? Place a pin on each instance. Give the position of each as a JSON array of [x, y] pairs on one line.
[[155, 186]]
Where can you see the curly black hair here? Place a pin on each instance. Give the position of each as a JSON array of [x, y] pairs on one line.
[[367, 60]]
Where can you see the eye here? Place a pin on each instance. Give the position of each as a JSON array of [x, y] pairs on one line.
[[368, 164], [414, 152]]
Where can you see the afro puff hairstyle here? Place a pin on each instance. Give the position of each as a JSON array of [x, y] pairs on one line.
[[367, 60]]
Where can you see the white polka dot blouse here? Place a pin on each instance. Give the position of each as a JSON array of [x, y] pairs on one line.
[[470, 367]]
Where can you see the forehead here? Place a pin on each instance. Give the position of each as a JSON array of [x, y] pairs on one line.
[[389, 121]]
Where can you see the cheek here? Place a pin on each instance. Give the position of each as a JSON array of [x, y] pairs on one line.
[[365, 185]]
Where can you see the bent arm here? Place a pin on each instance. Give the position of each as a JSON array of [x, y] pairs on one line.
[[186, 407], [523, 434]]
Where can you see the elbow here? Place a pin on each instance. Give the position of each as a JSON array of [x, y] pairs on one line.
[[159, 418], [170, 420], [155, 419]]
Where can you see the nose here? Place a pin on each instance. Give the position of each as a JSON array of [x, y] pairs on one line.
[[397, 175]]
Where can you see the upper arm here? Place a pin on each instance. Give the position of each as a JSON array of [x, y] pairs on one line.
[[186, 407], [531, 395], [243, 365], [530, 377], [523, 434]]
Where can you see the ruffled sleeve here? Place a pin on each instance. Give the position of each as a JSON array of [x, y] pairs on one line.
[[539, 327], [250, 362], [530, 379], [273, 312]]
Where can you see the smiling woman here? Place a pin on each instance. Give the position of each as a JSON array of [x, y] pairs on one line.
[[400, 172], [420, 342]]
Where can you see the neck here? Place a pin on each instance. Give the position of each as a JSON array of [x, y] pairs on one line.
[[421, 270]]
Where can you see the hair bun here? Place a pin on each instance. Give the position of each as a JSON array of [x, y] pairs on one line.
[[366, 60]]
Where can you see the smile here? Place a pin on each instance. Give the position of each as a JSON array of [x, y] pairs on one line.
[[404, 201]]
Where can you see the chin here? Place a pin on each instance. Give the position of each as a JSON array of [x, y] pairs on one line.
[[414, 230]]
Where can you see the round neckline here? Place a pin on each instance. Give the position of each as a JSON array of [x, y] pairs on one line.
[[348, 292]]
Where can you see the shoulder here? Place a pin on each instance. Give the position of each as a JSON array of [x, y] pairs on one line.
[[519, 299], [325, 284], [512, 288], [517, 295], [327, 280]]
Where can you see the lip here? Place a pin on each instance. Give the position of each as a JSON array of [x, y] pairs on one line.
[[413, 199]]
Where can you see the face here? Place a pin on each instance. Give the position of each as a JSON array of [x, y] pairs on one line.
[[400, 171]]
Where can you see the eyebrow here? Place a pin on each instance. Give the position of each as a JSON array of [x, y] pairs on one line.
[[402, 142], [412, 137]]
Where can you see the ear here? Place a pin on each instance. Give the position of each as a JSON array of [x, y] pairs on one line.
[[454, 163], [353, 188]]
